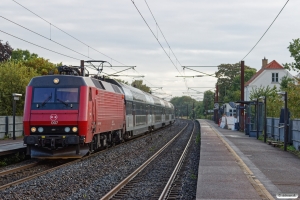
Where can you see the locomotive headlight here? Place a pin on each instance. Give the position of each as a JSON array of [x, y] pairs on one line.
[[40, 129], [67, 129], [56, 81], [74, 129], [33, 129]]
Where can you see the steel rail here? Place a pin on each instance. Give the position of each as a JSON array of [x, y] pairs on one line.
[[57, 167], [167, 188], [118, 187], [9, 171], [35, 175]]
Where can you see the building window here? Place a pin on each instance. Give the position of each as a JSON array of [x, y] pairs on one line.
[[275, 77]]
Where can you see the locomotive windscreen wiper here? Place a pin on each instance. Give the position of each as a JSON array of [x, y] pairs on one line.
[[61, 101], [46, 100]]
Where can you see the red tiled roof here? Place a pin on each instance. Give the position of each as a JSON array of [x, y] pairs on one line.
[[272, 65]]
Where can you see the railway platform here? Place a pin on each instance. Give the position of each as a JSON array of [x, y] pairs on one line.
[[9, 146], [235, 166]]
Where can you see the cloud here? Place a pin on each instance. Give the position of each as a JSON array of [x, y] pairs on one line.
[[199, 33]]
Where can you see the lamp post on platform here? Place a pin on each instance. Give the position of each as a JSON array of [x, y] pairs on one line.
[[16, 98], [265, 120], [257, 118], [284, 95]]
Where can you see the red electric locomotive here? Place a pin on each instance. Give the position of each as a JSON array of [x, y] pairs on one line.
[[69, 111], [68, 116]]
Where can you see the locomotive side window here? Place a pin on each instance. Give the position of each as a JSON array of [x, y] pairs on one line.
[[43, 95], [90, 94]]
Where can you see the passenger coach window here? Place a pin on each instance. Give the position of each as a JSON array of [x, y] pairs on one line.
[[128, 108]]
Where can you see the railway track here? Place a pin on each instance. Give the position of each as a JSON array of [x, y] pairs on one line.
[[154, 179], [173, 186], [24, 173], [28, 172]]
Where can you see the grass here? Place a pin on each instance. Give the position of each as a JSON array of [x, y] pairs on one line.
[[193, 176], [198, 138], [261, 138], [5, 137], [290, 148], [151, 149], [12, 159]]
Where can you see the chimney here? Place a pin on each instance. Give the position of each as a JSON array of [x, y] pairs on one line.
[[264, 62]]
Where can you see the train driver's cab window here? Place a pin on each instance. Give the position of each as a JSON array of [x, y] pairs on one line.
[[43, 95], [51, 95], [67, 94]]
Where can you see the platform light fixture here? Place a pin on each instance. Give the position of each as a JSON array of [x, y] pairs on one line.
[[257, 118], [264, 98], [284, 96], [16, 97]]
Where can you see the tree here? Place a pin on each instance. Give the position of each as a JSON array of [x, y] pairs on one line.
[[229, 81], [14, 77], [22, 55], [273, 100], [262, 91], [183, 105], [208, 100], [5, 51], [139, 84], [285, 81], [293, 92], [199, 110], [294, 49], [41, 65], [121, 81]]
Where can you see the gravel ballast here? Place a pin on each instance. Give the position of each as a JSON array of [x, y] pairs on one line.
[[92, 178]]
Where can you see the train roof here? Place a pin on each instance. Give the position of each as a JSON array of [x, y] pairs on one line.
[[130, 93], [73, 81], [134, 94]]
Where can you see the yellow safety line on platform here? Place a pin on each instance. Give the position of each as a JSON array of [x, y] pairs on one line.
[[258, 186]]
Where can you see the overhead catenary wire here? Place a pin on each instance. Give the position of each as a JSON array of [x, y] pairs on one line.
[[266, 30], [89, 47], [51, 24], [162, 33], [43, 36], [170, 49], [39, 45], [156, 37]]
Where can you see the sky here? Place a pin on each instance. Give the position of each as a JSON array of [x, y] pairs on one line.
[[198, 32]]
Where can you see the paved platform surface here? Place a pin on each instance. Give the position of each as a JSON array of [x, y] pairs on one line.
[[9, 146], [253, 170]]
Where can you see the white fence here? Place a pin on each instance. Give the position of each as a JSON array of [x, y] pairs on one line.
[[6, 126]]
